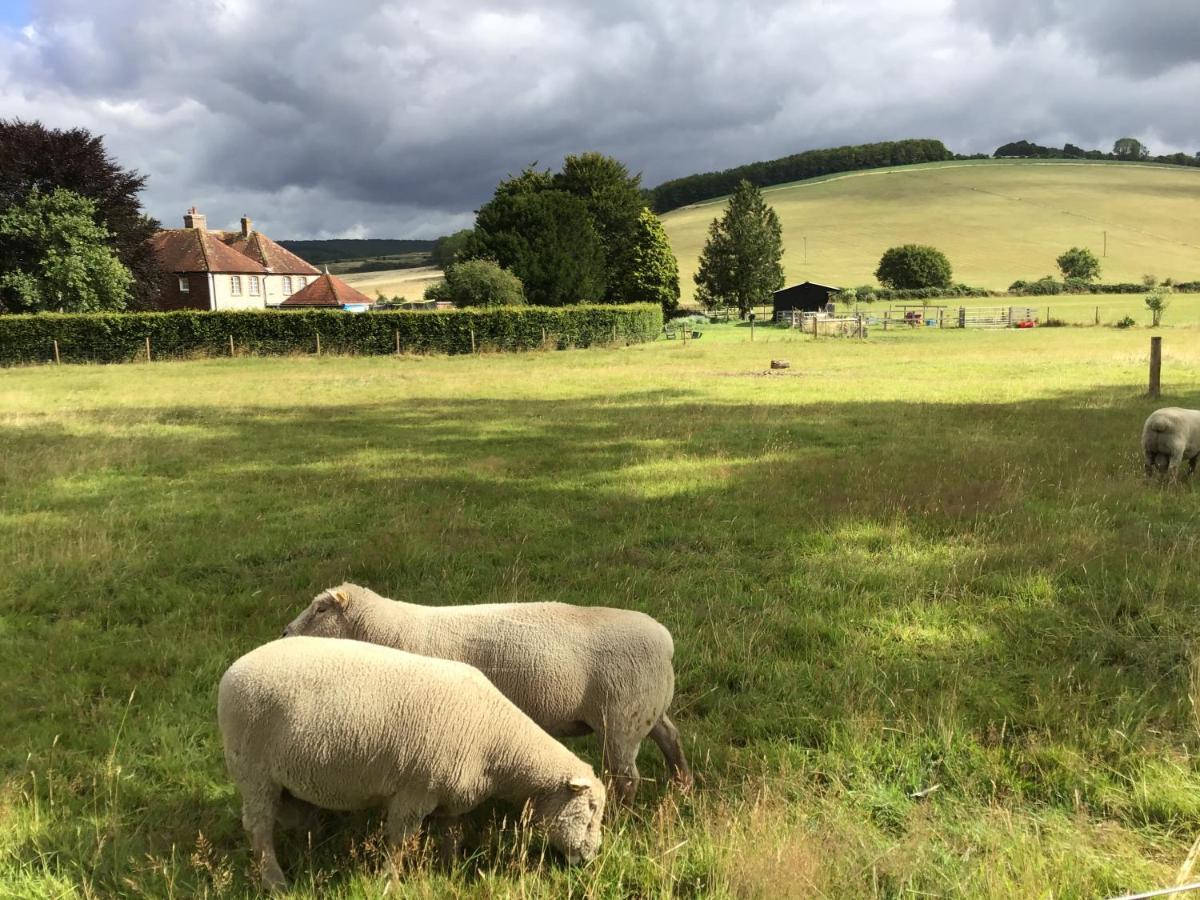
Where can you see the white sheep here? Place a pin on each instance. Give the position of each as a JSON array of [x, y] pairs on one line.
[[572, 669], [346, 725], [1170, 436]]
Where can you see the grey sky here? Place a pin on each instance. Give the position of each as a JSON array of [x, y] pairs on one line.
[[376, 119]]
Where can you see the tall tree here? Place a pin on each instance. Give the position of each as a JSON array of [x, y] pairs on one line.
[[651, 274], [742, 262], [1130, 148], [543, 236], [448, 248], [614, 202], [33, 156], [58, 257]]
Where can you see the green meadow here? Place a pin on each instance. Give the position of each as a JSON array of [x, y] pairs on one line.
[[996, 220], [935, 636]]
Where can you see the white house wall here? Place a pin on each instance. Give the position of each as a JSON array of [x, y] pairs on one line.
[[272, 291]]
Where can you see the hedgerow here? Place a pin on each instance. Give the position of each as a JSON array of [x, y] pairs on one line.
[[121, 337]]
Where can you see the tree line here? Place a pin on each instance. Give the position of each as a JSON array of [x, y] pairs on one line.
[[1124, 149], [809, 164]]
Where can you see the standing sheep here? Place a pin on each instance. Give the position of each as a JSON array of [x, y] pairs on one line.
[[1170, 436], [572, 669], [346, 725]]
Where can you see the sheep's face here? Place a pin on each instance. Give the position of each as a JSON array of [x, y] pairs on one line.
[[324, 617], [572, 817]]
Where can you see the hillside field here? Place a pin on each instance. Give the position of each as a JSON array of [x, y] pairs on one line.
[[407, 283], [934, 634], [997, 220]]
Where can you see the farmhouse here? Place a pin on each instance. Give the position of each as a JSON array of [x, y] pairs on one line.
[[205, 269], [805, 297]]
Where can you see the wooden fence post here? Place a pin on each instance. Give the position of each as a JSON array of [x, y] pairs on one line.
[[543, 337], [397, 341], [1097, 315], [318, 343], [472, 338], [231, 351], [57, 361], [1155, 366], [147, 348]]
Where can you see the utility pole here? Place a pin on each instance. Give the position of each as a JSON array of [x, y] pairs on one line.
[[1106, 244], [806, 250]]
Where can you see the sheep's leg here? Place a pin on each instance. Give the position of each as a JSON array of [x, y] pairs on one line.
[[447, 830], [1192, 465], [260, 806], [1173, 463], [620, 764], [404, 816], [296, 814], [1151, 462], [666, 736]]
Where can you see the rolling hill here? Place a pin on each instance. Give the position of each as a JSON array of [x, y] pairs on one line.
[[997, 220]]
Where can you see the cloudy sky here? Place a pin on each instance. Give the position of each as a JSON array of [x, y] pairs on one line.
[[394, 119]]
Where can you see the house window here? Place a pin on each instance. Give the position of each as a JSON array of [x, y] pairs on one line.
[[287, 285], [184, 287], [303, 281], [235, 285], [253, 285]]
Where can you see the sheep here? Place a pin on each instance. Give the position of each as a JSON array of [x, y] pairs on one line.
[[573, 669], [345, 725], [1170, 436]]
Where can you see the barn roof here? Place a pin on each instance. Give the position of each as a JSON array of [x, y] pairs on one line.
[[326, 291], [826, 287]]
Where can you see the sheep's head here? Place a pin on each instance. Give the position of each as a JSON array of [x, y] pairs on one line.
[[571, 817], [324, 617]]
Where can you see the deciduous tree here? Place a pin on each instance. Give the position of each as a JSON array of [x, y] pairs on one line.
[[914, 266], [478, 282], [1080, 263], [58, 257]]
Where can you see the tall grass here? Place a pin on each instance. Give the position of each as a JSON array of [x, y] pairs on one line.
[[934, 634]]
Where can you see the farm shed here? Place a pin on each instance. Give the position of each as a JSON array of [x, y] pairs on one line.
[[805, 297]]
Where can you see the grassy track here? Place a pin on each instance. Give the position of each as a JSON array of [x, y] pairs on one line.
[[934, 635], [997, 221]]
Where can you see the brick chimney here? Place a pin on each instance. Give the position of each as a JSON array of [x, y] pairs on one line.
[[193, 219], [247, 226]]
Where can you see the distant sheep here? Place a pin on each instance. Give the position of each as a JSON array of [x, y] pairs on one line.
[[572, 669], [1170, 436], [346, 725]]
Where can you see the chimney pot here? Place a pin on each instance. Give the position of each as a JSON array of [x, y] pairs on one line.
[[247, 226]]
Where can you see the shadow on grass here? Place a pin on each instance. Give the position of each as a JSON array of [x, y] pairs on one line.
[[982, 593]]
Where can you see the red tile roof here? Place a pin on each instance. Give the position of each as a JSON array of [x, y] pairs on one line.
[[328, 290], [197, 250], [265, 251]]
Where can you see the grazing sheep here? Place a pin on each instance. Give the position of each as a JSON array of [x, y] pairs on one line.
[[572, 669], [346, 725], [1170, 436]]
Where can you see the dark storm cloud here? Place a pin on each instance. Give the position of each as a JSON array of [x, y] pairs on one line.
[[394, 119]]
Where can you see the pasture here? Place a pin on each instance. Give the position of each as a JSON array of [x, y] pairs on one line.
[[997, 221], [934, 635]]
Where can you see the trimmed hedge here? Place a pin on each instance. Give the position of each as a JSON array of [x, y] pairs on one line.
[[121, 337]]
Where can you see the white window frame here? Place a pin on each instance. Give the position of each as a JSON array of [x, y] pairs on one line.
[[287, 285], [303, 282], [184, 286], [255, 286], [235, 285]]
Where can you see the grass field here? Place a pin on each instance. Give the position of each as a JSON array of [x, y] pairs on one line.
[[934, 635], [997, 221], [407, 283]]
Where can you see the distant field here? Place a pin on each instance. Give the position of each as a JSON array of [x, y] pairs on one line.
[[997, 220], [407, 283]]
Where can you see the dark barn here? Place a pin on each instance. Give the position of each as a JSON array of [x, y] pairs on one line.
[[806, 297]]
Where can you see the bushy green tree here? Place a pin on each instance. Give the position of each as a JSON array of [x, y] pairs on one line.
[[651, 273], [448, 248], [478, 282], [34, 156], [543, 236], [58, 257], [1080, 263], [1157, 302], [742, 261], [913, 266], [1130, 148]]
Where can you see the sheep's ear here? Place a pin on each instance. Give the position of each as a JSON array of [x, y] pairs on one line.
[[340, 598], [579, 783]]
